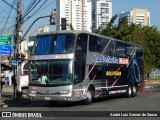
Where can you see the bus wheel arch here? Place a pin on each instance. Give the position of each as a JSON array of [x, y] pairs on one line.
[[90, 95]]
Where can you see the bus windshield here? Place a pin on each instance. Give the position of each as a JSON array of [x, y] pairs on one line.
[[51, 73], [54, 44]]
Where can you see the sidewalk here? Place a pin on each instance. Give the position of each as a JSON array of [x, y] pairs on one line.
[[151, 87], [8, 100]]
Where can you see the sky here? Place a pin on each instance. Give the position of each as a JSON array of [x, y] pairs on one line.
[[152, 6], [118, 6]]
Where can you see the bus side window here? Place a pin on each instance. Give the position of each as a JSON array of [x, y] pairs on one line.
[[120, 50], [110, 49], [94, 43], [98, 72], [129, 51]]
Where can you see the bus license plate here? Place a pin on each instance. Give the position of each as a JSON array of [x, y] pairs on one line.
[[47, 98]]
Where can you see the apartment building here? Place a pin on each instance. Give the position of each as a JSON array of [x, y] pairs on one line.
[[76, 12], [101, 13], [136, 16]]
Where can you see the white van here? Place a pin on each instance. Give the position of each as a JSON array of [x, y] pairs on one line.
[[24, 77]]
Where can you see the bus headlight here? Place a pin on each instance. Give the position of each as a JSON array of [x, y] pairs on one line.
[[65, 92], [33, 91]]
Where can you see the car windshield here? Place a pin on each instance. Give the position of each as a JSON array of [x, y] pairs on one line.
[[51, 73]]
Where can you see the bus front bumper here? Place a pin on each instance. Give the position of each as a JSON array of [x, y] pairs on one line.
[[60, 97]]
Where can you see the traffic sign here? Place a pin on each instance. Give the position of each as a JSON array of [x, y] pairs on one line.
[[5, 49], [14, 62], [5, 40]]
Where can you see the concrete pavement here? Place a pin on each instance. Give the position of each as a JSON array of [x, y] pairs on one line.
[[8, 100]]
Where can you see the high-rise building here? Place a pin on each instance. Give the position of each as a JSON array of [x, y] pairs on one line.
[[137, 16], [101, 13], [42, 29], [84, 14], [76, 12]]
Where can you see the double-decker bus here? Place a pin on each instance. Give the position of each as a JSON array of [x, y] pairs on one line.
[[79, 65]]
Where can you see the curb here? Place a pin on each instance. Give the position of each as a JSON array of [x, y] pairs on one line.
[[149, 87]]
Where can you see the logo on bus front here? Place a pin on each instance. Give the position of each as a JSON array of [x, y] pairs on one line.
[[47, 91]]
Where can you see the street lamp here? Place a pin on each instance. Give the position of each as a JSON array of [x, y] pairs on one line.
[[97, 20]]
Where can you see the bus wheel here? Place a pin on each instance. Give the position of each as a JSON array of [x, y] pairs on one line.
[[129, 91], [134, 90], [90, 97]]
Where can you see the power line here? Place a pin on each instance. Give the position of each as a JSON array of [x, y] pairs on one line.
[[9, 4], [3, 12], [39, 11], [36, 11], [31, 7], [39, 7], [7, 18], [11, 28]]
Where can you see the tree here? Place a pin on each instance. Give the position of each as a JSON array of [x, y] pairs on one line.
[[110, 29]]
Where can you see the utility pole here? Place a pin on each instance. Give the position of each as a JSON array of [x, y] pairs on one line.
[[18, 33]]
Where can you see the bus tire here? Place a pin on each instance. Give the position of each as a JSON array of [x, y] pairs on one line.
[[134, 90], [129, 91], [90, 97]]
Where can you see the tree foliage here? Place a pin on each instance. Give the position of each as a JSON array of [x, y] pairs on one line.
[[146, 36]]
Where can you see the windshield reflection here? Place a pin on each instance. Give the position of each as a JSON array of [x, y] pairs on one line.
[[50, 73]]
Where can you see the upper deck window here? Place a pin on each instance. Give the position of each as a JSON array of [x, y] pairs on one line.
[[97, 44], [42, 45], [54, 44], [122, 50], [63, 43]]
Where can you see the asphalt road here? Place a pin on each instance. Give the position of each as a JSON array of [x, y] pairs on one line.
[[147, 102], [142, 102]]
